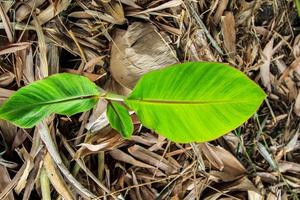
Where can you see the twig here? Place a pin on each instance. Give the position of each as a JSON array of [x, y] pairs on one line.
[[200, 23], [47, 139]]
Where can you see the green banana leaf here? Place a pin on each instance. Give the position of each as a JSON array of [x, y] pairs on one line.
[[65, 94], [195, 102], [119, 119]]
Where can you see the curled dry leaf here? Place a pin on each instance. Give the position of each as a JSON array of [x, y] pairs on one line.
[[152, 158], [115, 9], [285, 166], [56, 178], [12, 48], [228, 30], [4, 94], [137, 51], [168, 4], [106, 139], [115, 87], [265, 66], [296, 46], [6, 79], [224, 161], [121, 156], [29, 165], [240, 185], [4, 181], [211, 155], [98, 117], [221, 7], [25, 9], [297, 105], [6, 22], [53, 10], [292, 144]]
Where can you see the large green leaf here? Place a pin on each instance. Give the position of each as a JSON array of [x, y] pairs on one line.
[[65, 94], [119, 119], [195, 101]]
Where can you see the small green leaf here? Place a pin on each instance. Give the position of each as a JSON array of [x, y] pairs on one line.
[[65, 94], [119, 119], [195, 102]]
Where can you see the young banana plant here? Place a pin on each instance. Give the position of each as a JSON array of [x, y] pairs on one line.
[[189, 102]]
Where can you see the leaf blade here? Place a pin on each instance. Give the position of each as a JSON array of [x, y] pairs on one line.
[[65, 94], [119, 119], [165, 98]]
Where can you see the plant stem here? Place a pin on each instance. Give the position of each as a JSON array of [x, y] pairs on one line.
[[100, 165], [114, 97], [45, 185], [110, 96]]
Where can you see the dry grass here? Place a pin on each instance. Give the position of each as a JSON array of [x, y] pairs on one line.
[[113, 43]]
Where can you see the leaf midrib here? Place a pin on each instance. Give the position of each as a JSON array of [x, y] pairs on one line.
[[74, 98], [183, 102]]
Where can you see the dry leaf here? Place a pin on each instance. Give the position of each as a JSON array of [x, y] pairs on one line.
[[12, 48], [168, 4], [265, 66], [222, 4], [115, 8], [29, 165], [152, 159], [228, 30], [6, 79], [137, 51], [56, 179], [24, 10], [297, 105], [103, 140], [52, 10], [285, 166], [121, 156], [4, 181], [224, 161]]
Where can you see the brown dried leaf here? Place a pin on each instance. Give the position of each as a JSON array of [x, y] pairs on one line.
[[104, 140], [29, 166], [152, 159], [292, 144], [265, 66], [297, 105], [224, 161], [56, 179], [42, 48], [115, 8], [137, 51], [124, 157], [52, 10], [12, 48], [222, 4], [4, 181], [24, 10], [6, 79], [7, 25], [285, 166], [211, 155], [243, 184], [168, 4], [228, 30]]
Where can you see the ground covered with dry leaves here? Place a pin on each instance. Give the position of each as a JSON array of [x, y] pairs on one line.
[[113, 43]]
